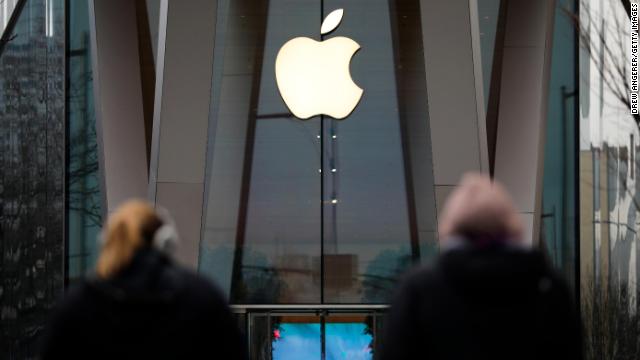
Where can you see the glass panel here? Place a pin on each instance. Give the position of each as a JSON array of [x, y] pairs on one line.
[[349, 337], [320, 210], [379, 213], [296, 337], [84, 216], [559, 185], [32, 137], [261, 237], [488, 14]]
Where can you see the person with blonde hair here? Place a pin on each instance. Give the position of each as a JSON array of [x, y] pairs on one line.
[[488, 295], [139, 303]]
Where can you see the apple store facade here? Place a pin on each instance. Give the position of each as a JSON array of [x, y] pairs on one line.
[[303, 147]]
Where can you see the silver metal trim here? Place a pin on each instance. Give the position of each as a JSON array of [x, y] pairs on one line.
[[547, 48], [281, 307], [211, 136], [154, 155], [476, 54], [97, 99], [332, 312]]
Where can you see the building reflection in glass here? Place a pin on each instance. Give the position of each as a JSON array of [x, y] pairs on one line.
[[317, 211], [84, 198], [32, 140]]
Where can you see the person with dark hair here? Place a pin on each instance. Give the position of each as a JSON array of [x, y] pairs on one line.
[[488, 296], [140, 304]]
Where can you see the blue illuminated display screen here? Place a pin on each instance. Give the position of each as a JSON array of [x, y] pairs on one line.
[[303, 341], [348, 341], [297, 341]]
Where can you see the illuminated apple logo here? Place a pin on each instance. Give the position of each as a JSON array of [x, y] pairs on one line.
[[313, 76]]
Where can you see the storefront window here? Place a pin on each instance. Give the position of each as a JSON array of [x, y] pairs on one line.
[[317, 210], [32, 135], [559, 184], [84, 216]]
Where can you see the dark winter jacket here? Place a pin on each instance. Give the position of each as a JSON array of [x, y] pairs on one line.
[[152, 310], [491, 303]]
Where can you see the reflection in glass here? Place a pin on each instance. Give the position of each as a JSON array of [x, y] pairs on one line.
[[31, 175], [317, 211], [84, 216], [559, 186], [377, 182], [488, 16], [261, 238]]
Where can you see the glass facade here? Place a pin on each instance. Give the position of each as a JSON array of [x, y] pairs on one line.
[[560, 163], [609, 186], [488, 18], [32, 133], [84, 200], [317, 211]]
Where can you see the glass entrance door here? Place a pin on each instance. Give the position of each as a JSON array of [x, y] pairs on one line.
[[313, 336]]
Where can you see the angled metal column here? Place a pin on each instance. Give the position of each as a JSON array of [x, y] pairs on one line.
[[118, 99], [180, 121], [454, 90], [522, 109]]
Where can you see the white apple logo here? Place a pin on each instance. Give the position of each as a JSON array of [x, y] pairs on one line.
[[313, 76]]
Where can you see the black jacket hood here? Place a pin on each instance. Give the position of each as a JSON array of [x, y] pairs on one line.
[[497, 275], [148, 279]]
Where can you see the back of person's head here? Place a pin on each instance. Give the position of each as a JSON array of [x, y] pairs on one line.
[[129, 229], [480, 211]]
